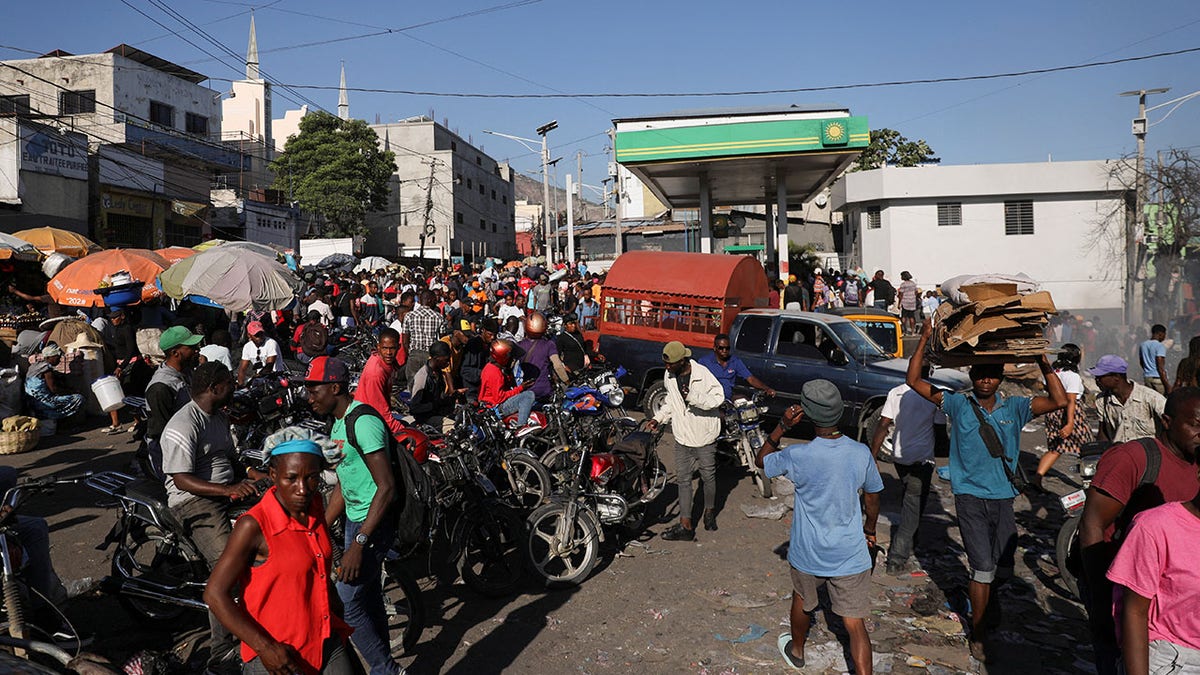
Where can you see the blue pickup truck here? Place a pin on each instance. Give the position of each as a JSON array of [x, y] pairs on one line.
[[785, 349]]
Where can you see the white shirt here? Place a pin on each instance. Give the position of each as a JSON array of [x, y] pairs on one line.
[[913, 416], [696, 420], [1071, 381], [506, 310], [258, 355], [219, 354], [324, 310]]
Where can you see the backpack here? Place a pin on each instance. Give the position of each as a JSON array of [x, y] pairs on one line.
[[314, 339], [851, 292], [1142, 497], [414, 492]]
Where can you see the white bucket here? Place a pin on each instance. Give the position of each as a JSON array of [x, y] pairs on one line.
[[109, 393]]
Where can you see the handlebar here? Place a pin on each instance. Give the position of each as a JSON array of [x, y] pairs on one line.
[[15, 495]]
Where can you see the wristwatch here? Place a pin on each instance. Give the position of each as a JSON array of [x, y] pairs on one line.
[[361, 539]]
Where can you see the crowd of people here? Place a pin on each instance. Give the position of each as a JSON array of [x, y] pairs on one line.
[[482, 335]]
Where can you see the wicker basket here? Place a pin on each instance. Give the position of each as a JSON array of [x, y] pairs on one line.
[[12, 442]]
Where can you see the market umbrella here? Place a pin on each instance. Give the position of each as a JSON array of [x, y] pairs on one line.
[[15, 248], [339, 261], [174, 254], [53, 240], [372, 263], [234, 278], [76, 284], [261, 249]]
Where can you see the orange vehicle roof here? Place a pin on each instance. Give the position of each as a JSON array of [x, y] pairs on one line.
[[698, 275]]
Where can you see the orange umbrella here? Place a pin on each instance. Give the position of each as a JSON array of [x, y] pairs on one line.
[[75, 285], [174, 254], [53, 240]]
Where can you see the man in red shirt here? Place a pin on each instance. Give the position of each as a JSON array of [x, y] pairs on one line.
[[378, 378], [498, 386], [1121, 489]]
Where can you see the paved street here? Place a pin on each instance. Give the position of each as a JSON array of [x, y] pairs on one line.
[[713, 606]]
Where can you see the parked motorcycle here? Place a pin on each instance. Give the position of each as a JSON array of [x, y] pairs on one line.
[[16, 590], [1066, 545], [742, 437], [597, 489], [519, 475], [266, 405], [587, 412]]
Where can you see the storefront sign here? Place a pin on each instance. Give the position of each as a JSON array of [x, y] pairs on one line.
[[45, 150]]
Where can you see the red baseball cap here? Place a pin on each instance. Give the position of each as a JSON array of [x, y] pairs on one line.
[[325, 369], [254, 328]]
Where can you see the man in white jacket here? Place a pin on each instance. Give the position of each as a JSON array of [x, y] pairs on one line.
[[692, 408]]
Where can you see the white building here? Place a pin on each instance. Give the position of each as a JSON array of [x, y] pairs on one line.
[[1059, 222]]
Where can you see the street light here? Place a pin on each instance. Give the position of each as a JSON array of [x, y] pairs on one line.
[[1133, 294], [541, 131]]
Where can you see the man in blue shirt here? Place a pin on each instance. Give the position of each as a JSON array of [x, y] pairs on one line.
[[832, 541], [983, 492], [1153, 355], [727, 368]]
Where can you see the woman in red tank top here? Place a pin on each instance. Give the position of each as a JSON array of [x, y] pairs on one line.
[[279, 555]]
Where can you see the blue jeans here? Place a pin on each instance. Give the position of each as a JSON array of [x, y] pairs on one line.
[[363, 601], [522, 404], [881, 304]]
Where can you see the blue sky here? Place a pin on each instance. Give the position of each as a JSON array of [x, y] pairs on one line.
[[701, 46]]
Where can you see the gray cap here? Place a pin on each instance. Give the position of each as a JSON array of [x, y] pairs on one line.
[[821, 402]]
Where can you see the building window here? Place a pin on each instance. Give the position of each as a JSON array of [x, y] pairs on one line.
[[873, 220], [493, 227], [196, 124], [481, 188], [504, 199], [162, 114], [458, 178], [493, 195], [453, 146], [482, 224], [458, 217], [949, 214], [469, 184], [17, 104], [77, 102], [478, 160], [1018, 217]]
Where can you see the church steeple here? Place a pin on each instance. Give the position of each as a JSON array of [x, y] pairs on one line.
[[343, 97], [252, 54]]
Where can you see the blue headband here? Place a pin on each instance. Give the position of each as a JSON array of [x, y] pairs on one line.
[[297, 445]]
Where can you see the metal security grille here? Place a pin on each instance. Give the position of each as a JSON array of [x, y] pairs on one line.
[[949, 214], [77, 102], [129, 231], [874, 222], [17, 104], [1018, 217], [161, 113]]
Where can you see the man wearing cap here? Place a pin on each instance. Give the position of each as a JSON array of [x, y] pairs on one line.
[[792, 294], [365, 493], [983, 489], [692, 408], [261, 355], [168, 388], [379, 378], [832, 536], [46, 387], [1128, 410], [197, 459]]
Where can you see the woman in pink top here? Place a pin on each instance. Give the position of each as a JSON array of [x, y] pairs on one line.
[[1157, 565]]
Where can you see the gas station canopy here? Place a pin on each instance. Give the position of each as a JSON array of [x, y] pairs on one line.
[[742, 154]]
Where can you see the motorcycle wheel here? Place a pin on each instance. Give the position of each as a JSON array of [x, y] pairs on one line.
[[1064, 547], [757, 474], [571, 567], [528, 481], [149, 555], [405, 609], [490, 543]]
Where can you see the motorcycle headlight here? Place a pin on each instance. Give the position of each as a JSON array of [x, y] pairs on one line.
[[1087, 468], [616, 397]]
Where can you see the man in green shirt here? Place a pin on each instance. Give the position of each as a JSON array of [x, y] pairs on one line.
[[366, 490]]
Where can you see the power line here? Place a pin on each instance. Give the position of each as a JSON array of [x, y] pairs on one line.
[[759, 92]]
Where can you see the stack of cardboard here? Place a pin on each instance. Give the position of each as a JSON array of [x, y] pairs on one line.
[[997, 326]]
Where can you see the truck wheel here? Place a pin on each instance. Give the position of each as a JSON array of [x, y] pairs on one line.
[[655, 399]]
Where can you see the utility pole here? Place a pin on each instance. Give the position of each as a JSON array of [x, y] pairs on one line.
[[579, 182], [1134, 296], [542, 131], [428, 226], [570, 224], [615, 171]]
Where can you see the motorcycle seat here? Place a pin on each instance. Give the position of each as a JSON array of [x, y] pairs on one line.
[[154, 495]]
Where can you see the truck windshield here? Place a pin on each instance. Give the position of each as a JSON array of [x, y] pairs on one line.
[[859, 346]]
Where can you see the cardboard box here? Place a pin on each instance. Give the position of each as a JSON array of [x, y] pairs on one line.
[[982, 292]]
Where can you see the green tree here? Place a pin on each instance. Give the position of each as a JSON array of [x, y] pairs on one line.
[[890, 148], [335, 168]]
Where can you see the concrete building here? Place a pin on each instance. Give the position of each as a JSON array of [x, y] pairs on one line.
[[262, 216], [445, 188], [43, 176], [152, 128], [1059, 222]]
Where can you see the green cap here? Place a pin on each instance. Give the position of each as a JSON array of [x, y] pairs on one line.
[[178, 335]]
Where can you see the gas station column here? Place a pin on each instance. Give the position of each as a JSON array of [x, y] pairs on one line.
[[781, 230], [769, 258], [705, 215]]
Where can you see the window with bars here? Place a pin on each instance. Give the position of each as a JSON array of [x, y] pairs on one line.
[[77, 102], [458, 217], [874, 222], [17, 104], [196, 124], [162, 114], [949, 214], [1018, 217], [482, 224]]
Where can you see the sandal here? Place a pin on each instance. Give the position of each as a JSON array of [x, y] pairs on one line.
[[114, 429], [678, 533], [785, 650]]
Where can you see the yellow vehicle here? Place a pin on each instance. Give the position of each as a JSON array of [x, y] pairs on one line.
[[881, 326]]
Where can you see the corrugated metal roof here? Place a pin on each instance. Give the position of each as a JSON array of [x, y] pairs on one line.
[[697, 275]]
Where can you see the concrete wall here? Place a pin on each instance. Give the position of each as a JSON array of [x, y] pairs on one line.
[[248, 112], [1071, 251]]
